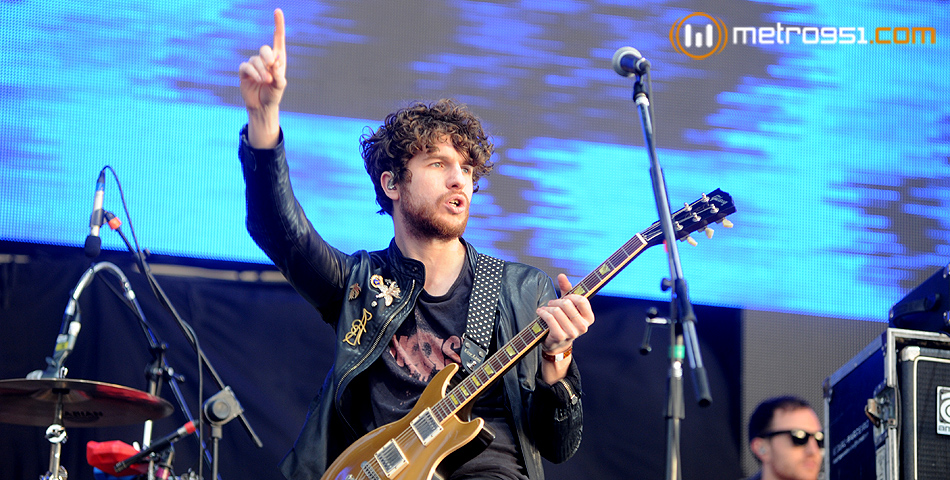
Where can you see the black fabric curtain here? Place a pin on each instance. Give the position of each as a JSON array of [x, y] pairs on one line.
[[273, 350]]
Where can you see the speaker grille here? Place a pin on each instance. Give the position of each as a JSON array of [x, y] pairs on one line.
[[926, 453]]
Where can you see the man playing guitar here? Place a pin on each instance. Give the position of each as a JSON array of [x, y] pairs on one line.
[[400, 314]]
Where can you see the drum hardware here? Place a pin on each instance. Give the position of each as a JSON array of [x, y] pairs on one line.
[[46, 394], [59, 403]]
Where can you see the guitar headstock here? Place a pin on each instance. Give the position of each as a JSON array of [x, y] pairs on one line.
[[708, 209]]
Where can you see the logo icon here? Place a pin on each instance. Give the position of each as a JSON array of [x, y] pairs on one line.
[[699, 35], [943, 410]]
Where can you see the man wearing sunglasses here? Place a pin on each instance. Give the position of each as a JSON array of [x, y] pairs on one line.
[[785, 436]]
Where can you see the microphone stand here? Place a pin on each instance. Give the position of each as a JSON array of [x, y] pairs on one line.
[[156, 371], [683, 340], [193, 341]]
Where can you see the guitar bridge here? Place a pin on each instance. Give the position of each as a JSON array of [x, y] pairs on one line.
[[390, 458], [426, 426], [367, 470]]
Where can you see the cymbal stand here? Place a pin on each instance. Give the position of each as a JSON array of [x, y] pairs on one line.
[[56, 434]]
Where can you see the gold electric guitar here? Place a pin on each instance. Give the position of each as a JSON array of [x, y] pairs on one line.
[[414, 447]]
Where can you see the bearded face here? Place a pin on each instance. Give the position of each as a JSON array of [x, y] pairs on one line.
[[433, 200], [428, 218]]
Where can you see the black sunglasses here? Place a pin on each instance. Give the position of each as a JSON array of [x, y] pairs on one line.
[[799, 437]]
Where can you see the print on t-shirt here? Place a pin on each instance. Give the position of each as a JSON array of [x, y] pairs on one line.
[[423, 353]]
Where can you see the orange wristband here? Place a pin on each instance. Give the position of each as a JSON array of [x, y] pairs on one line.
[[557, 357]]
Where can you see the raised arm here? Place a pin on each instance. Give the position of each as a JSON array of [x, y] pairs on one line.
[[263, 80]]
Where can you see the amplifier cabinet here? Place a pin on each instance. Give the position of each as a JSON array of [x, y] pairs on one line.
[[925, 429], [887, 411]]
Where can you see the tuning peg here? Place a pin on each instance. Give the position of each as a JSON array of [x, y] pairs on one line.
[[709, 232], [690, 240], [726, 223]]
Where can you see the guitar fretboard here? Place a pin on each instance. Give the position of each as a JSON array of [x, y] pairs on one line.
[[526, 339]]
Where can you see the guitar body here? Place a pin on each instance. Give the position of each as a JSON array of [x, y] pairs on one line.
[[422, 460]]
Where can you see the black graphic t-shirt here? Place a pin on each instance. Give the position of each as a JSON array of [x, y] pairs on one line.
[[422, 348]]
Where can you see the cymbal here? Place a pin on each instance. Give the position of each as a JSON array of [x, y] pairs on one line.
[[86, 403]]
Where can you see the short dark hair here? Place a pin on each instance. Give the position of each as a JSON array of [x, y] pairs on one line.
[[761, 419], [411, 130]]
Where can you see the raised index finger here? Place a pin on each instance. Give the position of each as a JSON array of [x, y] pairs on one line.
[[279, 44]]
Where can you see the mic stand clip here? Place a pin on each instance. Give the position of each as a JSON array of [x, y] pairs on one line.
[[218, 410]]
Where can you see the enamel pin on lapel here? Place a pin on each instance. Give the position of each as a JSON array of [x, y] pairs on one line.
[[388, 290]]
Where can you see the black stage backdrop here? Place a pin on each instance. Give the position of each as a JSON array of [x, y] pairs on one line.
[[273, 350]]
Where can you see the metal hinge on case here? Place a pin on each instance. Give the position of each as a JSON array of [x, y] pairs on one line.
[[881, 409]]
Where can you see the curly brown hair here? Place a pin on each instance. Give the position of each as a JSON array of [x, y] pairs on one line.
[[411, 130]]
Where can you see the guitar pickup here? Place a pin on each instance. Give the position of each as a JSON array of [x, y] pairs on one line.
[[390, 458], [426, 426]]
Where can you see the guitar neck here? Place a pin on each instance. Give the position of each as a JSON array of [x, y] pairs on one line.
[[502, 360]]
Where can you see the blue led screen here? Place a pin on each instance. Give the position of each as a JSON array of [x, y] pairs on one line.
[[826, 121]]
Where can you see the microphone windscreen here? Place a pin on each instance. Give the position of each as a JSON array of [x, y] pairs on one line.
[[93, 246]]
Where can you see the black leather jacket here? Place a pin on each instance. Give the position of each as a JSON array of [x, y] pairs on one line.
[[548, 419]]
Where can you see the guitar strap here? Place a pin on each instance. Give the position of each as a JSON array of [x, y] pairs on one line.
[[481, 311]]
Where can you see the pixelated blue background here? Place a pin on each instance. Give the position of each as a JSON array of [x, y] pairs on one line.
[[836, 155]]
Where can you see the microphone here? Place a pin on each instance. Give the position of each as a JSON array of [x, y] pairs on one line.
[[627, 61], [93, 242], [66, 339], [157, 446]]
